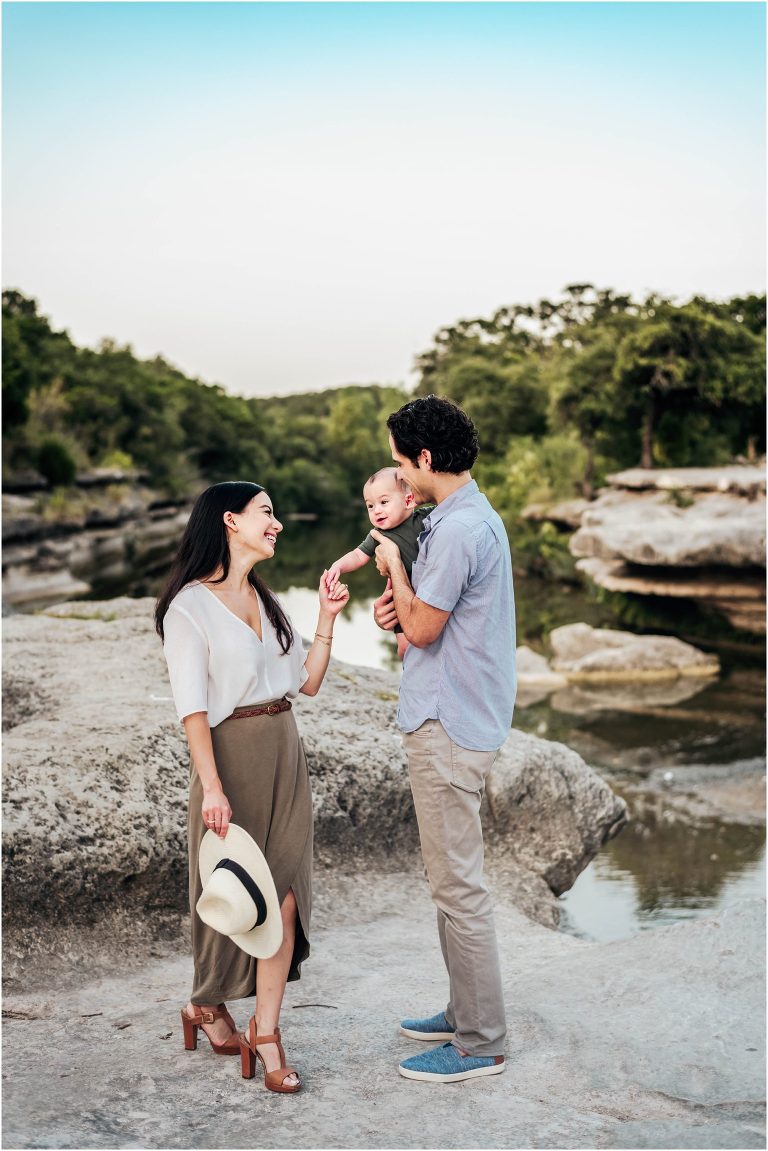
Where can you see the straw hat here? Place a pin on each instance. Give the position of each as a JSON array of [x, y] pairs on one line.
[[239, 897]]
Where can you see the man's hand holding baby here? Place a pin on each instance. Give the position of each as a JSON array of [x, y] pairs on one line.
[[387, 554], [384, 611]]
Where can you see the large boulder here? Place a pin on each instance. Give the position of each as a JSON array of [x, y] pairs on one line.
[[535, 678], [556, 815], [96, 771], [587, 654], [686, 533], [652, 530]]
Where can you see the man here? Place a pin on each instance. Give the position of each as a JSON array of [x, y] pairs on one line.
[[455, 709]]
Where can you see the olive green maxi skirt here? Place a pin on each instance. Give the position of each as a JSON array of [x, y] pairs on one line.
[[261, 763]]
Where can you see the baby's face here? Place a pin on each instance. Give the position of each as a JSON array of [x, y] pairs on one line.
[[388, 505]]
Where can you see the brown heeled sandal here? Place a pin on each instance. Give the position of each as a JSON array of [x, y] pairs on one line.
[[192, 1023], [273, 1080]]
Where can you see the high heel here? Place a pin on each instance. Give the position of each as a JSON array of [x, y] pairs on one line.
[[192, 1023], [249, 1053]]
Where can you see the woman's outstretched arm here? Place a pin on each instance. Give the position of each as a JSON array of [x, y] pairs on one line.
[[319, 653]]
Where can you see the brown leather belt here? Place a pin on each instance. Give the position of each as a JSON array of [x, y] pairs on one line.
[[265, 709]]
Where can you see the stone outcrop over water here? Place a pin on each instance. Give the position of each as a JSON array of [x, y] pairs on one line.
[[108, 535], [687, 533], [587, 654], [603, 669], [96, 771]]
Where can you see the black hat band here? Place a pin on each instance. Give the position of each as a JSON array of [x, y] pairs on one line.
[[250, 887]]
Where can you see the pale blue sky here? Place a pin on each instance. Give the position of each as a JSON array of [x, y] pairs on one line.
[[280, 197]]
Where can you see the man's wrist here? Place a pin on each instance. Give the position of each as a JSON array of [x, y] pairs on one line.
[[399, 576]]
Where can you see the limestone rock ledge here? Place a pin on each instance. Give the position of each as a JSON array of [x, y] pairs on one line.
[[713, 530], [602, 655], [696, 534], [96, 772]]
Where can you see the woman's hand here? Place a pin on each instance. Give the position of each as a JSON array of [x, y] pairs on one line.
[[332, 602], [216, 811], [384, 609], [319, 654]]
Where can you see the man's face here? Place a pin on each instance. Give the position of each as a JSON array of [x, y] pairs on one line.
[[417, 478]]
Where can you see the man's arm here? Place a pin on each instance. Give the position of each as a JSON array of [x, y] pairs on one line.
[[421, 623]]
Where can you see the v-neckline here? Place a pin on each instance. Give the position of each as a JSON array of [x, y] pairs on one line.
[[234, 614]]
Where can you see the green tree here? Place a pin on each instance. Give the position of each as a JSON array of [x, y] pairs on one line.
[[683, 359], [32, 355], [356, 433], [585, 399]]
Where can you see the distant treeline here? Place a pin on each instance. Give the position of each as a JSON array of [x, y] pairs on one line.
[[561, 393]]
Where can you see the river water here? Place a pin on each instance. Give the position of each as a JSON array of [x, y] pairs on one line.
[[667, 865]]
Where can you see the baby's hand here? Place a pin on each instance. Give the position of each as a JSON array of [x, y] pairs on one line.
[[332, 576]]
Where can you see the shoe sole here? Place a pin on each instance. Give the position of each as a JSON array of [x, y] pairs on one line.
[[435, 1077], [427, 1036]]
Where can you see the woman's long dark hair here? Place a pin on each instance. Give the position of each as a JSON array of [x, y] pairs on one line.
[[204, 549]]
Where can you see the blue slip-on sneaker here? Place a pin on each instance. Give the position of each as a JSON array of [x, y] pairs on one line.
[[436, 1027], [446, 1065]]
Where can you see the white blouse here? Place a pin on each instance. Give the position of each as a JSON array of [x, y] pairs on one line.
[[216, 662]]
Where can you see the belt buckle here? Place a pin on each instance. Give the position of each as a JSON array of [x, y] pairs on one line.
[[273, 709]]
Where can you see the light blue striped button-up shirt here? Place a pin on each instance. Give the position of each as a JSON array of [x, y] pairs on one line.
[[466, 679]]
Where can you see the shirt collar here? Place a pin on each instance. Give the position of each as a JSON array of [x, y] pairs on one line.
[[465, 492]]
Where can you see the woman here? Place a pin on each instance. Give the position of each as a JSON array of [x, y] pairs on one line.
[[230, 650]]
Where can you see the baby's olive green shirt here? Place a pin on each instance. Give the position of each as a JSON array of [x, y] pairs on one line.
[[406, 536]]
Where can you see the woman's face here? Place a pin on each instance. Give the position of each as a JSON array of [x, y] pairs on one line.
[[255, 527]]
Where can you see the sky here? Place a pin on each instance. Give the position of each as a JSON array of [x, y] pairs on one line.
[[282, 197]]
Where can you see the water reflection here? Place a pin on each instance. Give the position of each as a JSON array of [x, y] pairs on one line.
[[640, 698], [659, 872], [723, 722], [666, 866], [357, 639], [675, 862]]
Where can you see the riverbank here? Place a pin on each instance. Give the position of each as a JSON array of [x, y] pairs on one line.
[[651, 1041]]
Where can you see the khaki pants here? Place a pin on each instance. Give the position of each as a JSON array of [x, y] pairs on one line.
[[447, 782]]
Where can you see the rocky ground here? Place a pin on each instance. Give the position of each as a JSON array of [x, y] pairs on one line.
[[733, 792], [653, 1041]]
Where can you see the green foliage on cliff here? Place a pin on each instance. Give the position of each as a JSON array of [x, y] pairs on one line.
[[561, 393], [68, 407]]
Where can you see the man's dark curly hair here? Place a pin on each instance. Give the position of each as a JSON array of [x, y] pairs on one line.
[[440, 426]]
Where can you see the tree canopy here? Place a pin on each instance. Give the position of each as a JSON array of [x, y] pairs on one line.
[[561, 393]]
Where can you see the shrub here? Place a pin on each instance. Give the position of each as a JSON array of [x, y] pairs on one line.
[[55, 463]]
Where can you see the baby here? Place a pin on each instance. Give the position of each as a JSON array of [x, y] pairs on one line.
[[392, 511]]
